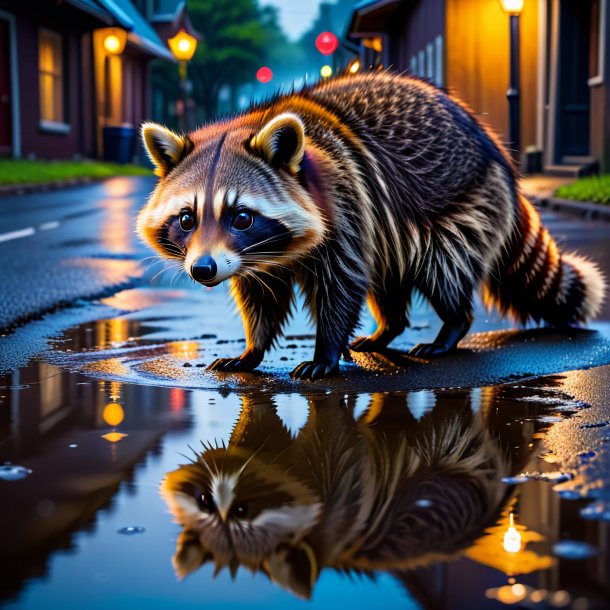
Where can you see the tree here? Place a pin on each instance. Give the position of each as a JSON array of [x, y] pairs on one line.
[[235, 40]]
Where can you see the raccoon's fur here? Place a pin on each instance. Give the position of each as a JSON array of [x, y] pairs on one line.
[[368, 186], [381, 492]]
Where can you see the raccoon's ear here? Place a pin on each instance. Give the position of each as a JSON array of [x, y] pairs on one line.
[[293, 567], [189, 554], [281, 142], [164, 147]]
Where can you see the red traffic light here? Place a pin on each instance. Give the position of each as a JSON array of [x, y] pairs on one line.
[[327, 43], [264, 74]]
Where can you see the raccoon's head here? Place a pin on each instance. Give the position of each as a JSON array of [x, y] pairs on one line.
[[233, 197], [237, 508]]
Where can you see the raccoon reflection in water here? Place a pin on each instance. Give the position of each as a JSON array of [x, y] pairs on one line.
[[381, 491]]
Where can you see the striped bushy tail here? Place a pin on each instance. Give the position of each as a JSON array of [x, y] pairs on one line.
[[534, 280]]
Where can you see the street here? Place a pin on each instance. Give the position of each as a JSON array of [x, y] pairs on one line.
[[103, 389]]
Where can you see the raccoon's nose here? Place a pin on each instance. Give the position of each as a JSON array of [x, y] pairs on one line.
[[204, 269]]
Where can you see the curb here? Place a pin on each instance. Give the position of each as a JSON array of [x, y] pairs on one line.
[[586, 209], [23, 189]]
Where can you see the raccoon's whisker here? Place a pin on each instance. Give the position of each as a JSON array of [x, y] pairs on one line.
[[160, 273], [264, 241], [261, 282]]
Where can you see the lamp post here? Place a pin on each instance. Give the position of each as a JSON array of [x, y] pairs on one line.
[[514, 8], [113, 42], [183, 47]]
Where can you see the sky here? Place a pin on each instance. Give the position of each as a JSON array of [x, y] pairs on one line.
[[295, 15]]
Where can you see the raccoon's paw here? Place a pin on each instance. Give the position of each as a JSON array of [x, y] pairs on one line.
[[368, 344], [314, 370], [243, 364], [430, 350]]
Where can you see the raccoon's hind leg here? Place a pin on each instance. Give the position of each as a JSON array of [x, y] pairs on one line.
[[264, 309], [389, 304], [456, 319]]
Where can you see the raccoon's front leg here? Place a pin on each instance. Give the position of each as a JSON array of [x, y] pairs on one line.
[[264, 309], [339, 298]]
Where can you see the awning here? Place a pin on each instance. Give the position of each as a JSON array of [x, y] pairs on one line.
[[370, 17]]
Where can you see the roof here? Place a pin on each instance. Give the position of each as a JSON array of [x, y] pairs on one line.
[[370, 17], [92, 8], [139, 32]]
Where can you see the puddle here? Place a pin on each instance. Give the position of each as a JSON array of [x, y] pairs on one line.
[[135, 474], [279, 499]]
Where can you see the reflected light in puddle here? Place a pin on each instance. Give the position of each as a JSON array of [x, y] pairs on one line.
[[114, 437], [512, 557], [187, 350], [176, 399], [512, 538], [113, 414]]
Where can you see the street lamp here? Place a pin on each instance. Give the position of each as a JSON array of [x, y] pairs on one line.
[[183, 47], [514, 8], [114, 40]]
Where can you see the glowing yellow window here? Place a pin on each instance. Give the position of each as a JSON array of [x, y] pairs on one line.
[[50, 76]]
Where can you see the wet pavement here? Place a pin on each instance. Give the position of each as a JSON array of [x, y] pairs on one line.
[[475, 481]]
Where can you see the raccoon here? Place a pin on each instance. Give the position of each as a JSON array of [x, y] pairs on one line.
[[361, 188], [380, 492]]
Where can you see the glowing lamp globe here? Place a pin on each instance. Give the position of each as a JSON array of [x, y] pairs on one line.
[[183, 46], [326, 71], [264, 74], [327, 43], [114, 40], [513, 7]]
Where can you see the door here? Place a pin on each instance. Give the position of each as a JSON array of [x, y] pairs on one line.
[[6, 126], [573, 107]]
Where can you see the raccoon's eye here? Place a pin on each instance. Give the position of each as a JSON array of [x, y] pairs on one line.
[[243, 221], [241, 510], [187, 221], [206, 502]]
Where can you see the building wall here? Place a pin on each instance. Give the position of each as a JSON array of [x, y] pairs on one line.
[[600, 107], [36, 141], [417, 37], [477, 62]]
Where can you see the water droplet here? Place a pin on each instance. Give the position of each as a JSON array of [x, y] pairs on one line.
[[587, 456], [423, 503], [569, 494], [130, 530], [520, 478], [12, 472], [551, 477], [597, 425], [574, 549], [549, 419], [598, 511]]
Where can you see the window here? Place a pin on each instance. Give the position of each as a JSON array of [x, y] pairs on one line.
[[597, 42], [438, 69], [429, 61], [51, 77]]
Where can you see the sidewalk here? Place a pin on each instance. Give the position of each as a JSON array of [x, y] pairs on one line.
[[542, 187]]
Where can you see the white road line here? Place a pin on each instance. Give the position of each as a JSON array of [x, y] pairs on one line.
[[17, 234], [46, 226]]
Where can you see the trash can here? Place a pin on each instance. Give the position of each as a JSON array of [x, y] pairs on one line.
[[119, 144]]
